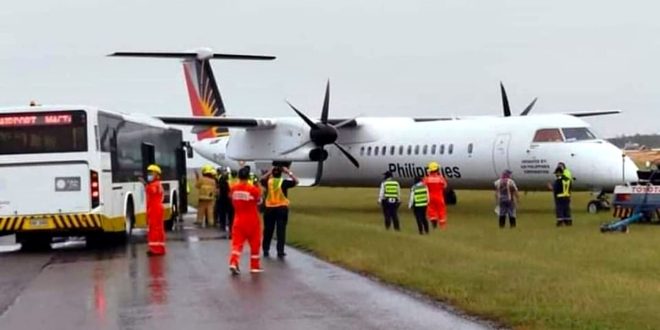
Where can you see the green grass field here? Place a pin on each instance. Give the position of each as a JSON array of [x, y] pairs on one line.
[[535, 276]]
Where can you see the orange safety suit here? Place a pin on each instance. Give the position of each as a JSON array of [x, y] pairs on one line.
[[247, 225], [156, 228], [436, 210]]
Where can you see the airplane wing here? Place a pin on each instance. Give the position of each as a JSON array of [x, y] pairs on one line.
[[252, 123], [218, 122], [594, 113]]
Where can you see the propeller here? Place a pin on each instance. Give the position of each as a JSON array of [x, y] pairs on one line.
[[322, 133], [505, 103]]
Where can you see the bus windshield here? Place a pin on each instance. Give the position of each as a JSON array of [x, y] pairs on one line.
[[43, 132]]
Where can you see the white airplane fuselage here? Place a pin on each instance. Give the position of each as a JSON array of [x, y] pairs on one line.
[[472, 151]]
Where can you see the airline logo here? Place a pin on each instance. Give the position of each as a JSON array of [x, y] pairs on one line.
[[203, 99], [410, 170]]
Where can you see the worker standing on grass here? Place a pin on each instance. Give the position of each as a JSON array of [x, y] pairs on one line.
[[389, 198], [206, 187], [155, 225], [247, 225], [507, 198], [419, 199], [276, 212], [562, 195], [436, 211]]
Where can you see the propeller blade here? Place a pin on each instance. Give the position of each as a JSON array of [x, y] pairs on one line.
[[295, 148], [529, 107], [319, 173], [345, 122], [305, 118], [505, 101], [326, 104], [348, 155]]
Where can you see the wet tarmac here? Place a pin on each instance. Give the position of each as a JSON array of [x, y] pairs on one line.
[[73, 287]]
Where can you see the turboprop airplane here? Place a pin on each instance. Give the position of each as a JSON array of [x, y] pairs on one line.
[[354, 152]]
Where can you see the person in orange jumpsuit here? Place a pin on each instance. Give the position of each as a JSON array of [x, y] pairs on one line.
[[247, 225], [436, 210], [156, 227]]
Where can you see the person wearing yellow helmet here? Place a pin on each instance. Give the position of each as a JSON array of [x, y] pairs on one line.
[[436, 210], [156, 227], [207, 190]]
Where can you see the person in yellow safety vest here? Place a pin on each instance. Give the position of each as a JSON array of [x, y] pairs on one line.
[[562, 195], [276, 211], [207, 189], [419, 199], [389, 198]]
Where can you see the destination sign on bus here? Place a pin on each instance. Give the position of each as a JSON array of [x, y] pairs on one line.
[[36, 119]]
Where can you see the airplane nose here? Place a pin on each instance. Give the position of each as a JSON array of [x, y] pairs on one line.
[[629, 170]]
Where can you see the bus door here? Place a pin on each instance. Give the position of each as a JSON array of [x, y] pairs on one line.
[[148, 157], [183, 180]]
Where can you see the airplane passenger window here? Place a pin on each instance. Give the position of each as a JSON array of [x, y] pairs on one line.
[[442, 149], [409, 150], [383, 150], [433, 149], [425, 149], [361, 151], [470, 148], [392, 149], [450, 150], [368, 151], [400, 150], [578, 134], [548, 135], [376, 151], [417, 150]]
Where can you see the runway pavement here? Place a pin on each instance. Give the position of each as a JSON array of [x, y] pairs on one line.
[[72, 287]]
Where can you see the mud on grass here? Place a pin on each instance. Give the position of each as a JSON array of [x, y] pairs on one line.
[[534, 276]]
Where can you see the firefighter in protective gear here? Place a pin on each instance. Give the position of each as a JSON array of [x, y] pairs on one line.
[[207, 189], [419, 199], [389, 198], [156, 226], [247, 225], [436, 210], [276, 211], [562, 195]]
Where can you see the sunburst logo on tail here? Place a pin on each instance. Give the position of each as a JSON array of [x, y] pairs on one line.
[[205, 98]]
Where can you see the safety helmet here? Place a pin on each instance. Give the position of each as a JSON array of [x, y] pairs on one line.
[[207, 169], [433, 166], [154, 168]]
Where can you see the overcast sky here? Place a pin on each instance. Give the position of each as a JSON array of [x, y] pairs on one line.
[[406, 58]]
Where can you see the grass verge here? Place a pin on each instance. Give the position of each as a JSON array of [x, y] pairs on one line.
[[535, 276]]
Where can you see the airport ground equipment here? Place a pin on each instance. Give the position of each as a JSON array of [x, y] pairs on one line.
[[636, 202]]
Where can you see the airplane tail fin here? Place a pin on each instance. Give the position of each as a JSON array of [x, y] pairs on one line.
[[204, 95], [203, 92]]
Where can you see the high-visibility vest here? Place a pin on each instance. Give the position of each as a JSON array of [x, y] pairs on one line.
[[391, 189], [275, 196], [420, 196], [565, 188]]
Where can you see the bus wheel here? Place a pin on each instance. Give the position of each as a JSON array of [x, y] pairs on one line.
[[34, 242], [130, 219], [169, 223]]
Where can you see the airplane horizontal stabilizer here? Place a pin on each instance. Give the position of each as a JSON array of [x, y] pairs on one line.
[[198, 54], [594, 113], [217, 122]]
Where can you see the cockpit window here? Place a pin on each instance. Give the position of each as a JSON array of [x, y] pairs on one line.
[[548, 135], [578, 134]]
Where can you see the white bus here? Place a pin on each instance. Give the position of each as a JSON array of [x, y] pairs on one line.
[[74, 171]]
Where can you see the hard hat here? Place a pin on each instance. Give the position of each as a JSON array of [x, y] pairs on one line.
[[154, 168], [433, 166], [207, 169]]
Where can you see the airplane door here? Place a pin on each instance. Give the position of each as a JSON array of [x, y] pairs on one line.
[[501, 153]]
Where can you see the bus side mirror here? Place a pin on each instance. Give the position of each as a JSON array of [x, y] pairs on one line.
[[188, 148]]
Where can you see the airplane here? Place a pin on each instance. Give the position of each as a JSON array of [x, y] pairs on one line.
[[355, 152]]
